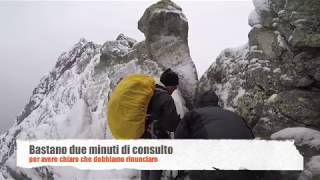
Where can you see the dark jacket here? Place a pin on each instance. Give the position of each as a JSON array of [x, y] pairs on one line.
[[212, 123], [162, 109], [209, 121]]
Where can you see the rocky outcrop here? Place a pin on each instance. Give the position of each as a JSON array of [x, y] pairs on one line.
[[298, 21], [80, 54], [70, 101], [272, 82], [71, 104], [308, 143], [166, 30]]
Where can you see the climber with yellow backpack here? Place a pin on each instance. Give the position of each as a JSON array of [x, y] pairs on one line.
[[141, 106]]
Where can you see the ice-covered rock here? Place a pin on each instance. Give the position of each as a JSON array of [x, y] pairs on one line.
[[129, 40], [72, 105], [308, 143], [70, 101], [273, 83], [254, 19], [298, 21], [261, 15], [166, 30], [269, 65], [225, 75], [302, 136]]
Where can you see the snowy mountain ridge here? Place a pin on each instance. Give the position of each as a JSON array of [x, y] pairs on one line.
[[70, 102]]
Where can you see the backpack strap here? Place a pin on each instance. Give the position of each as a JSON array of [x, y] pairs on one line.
[[150, 126], [161, 89]]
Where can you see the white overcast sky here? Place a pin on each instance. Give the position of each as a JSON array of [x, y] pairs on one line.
[[34, 34]]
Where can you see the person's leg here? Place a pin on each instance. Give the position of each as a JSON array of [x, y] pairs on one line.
[[155, 175], [145, 175]]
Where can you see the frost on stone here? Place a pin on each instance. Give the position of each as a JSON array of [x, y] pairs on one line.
[[301, 136], [254, 18], [272, 99], [81, 123], [261, 6], [224, 76], [70, 102]]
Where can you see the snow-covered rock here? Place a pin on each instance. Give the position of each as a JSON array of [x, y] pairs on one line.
[[273, 82], [246, 79], [298, 21], [254, 19], [225, 75], [70, 102], [261, 16], [166, 30], [308, 143], [302, 136]]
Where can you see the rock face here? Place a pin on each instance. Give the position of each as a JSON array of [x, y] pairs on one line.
[[166, 30], [273, 81], [308, 143], [70, 101]]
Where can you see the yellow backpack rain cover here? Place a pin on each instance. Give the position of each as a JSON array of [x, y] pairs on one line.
[[128, 105]]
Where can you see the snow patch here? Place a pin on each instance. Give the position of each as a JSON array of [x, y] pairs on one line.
[[241, 92], [272, 99], [285, 77], [277, 70], [261, 6], [301, 135], [180, 103], [81, 123], [254, 18], [282, 42]]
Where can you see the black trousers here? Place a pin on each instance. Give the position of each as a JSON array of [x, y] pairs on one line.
[[151, 174]]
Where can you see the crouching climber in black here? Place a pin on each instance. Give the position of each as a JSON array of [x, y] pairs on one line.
[[209, 121]]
